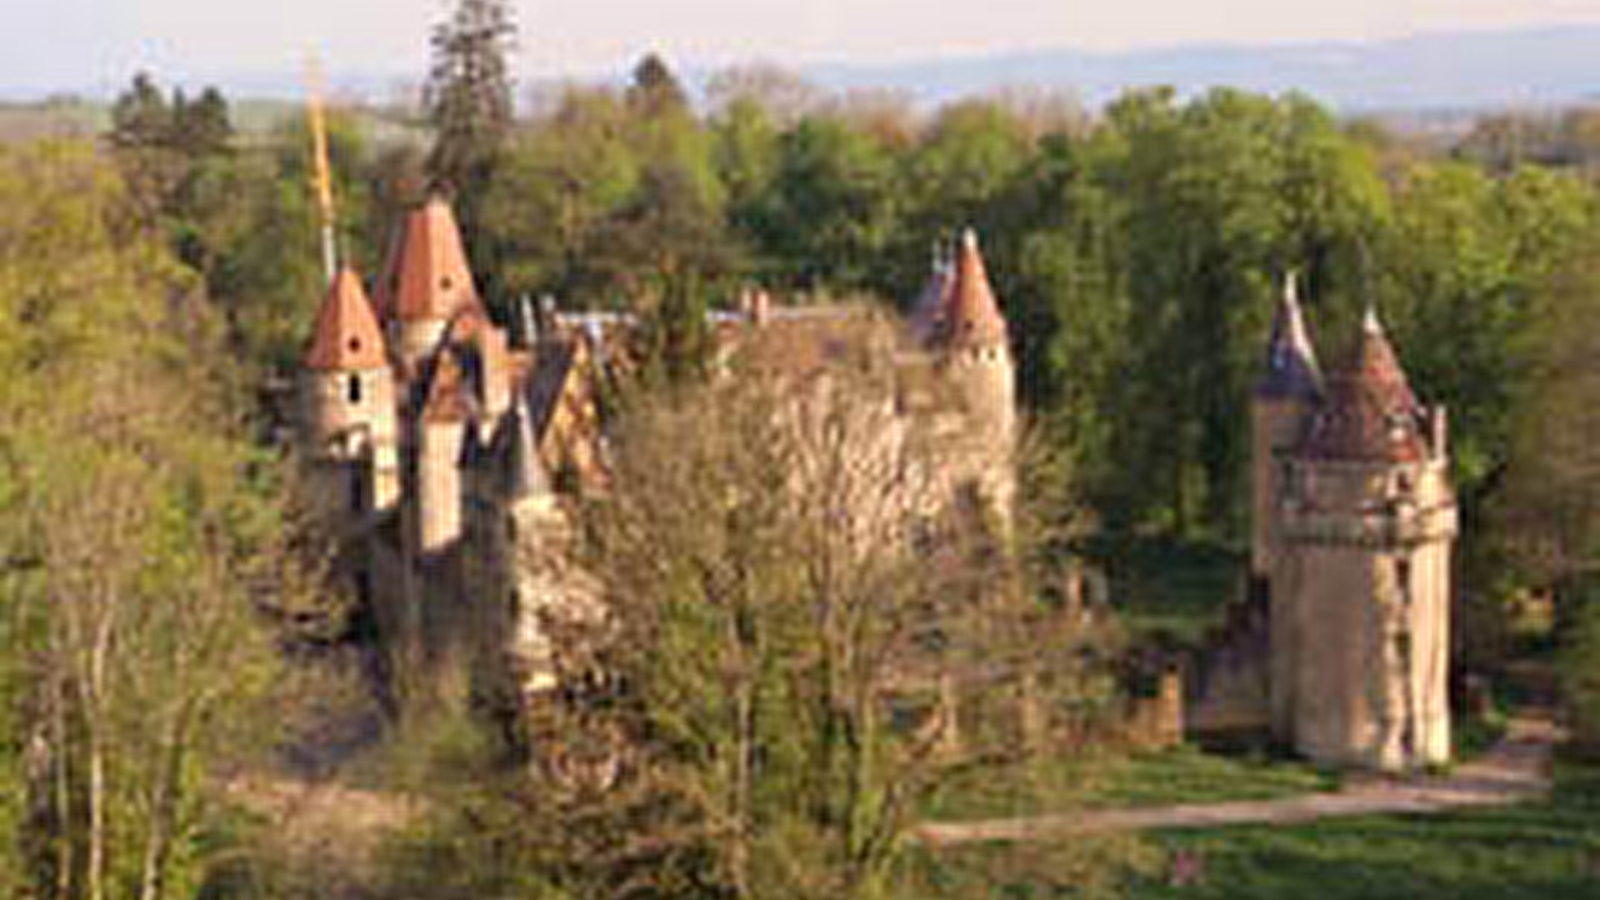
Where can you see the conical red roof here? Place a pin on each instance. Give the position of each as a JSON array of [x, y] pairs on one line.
[[426, 276], [347, 336], [971, 316], [1371, 413]]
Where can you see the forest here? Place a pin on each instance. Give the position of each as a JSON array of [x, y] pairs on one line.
[[159, 595]]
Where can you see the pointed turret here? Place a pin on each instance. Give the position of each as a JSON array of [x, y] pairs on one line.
[[426, 276], [1370, 413], [927, 315], [1361, 577], [347, 337], [1292, 370], [426, 283], [971, 316], [347, 401]]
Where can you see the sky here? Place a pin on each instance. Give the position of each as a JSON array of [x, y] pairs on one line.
[[89, 44]]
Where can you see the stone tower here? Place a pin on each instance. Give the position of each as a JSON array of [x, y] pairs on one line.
[[968, 336], [1359, 570], [971, 336], [1280, 412], [348, 406]]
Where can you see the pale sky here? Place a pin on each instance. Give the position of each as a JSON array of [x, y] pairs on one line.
[[84, 43]]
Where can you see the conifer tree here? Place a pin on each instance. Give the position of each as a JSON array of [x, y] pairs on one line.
[[469, 103]]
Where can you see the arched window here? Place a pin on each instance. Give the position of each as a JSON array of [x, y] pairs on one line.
[[352, 389]]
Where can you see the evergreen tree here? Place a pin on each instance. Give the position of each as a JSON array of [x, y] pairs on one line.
[[469, 104], [655, 90]]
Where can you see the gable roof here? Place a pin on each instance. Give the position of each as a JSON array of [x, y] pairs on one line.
[[426, 275], [346, 336]]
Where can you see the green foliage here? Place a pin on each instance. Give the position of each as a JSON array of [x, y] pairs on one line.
[[134, 543], [469, 104], [832, 211]]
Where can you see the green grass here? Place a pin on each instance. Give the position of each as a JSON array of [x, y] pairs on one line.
[[1181, 775], [1547, 850]]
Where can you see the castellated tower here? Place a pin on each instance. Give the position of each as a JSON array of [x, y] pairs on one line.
[[348, 406], [1358, 561]]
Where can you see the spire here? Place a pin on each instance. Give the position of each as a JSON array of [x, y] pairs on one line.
[[927, 316], [1371, 413], [1292, 370], [347, 336], [528, 477], [970, 316], [427, 276]]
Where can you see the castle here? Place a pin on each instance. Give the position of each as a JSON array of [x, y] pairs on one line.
[[1354, 523], [445, 451]]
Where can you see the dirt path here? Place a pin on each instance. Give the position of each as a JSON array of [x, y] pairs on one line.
[[1515, 769]]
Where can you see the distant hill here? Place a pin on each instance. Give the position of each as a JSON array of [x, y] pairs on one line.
[[1431, 71], [1432, 80]]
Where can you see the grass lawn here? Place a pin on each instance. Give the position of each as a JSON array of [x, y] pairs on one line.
[[1181, 775], [1548, 850]]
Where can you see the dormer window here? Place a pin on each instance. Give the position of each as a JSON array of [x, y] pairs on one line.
[[352, 389], [354, 344], [445, 283]]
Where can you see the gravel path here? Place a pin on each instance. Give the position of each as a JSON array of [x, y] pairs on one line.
[[1515, 769]]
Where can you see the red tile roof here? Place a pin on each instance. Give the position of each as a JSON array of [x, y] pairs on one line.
[[426, 276], [347, 336], [1370, 413], [971, 317]]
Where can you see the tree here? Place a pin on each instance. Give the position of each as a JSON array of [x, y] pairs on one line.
[[560, 183], [135, 544], [806, 630], [468, 98], [655, 91], [832, 209]]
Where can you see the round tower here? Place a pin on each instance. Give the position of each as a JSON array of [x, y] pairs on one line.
[[971, 336], [1367, 530], [1280, 409], [348, 404]]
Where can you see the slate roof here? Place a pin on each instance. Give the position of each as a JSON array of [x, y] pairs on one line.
[[1292, 370]]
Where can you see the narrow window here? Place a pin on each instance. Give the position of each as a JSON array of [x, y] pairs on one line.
[[353, 390], [358, 496]]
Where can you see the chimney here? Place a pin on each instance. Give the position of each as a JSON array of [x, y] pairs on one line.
[[760, 307], [1441, 432]]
